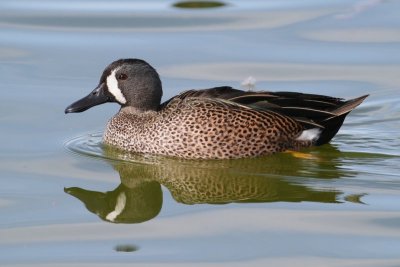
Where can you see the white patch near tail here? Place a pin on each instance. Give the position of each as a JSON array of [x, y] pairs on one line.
[[112, 85], [119, 207], [309, 135]]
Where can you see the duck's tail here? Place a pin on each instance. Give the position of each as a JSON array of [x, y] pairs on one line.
[[332, 124]]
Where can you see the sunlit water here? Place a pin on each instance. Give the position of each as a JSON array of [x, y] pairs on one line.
[[65, 199]]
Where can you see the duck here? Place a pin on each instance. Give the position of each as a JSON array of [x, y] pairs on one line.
[[214, 123]]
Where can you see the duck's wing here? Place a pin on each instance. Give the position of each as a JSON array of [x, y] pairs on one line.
[[310, 110]]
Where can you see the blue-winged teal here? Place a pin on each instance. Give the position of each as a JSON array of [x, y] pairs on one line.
[[215, 123]]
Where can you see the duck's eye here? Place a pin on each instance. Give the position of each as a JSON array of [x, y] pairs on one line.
[[122, 76]]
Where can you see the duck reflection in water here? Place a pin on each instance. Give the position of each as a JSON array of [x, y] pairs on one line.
[[280, 177]]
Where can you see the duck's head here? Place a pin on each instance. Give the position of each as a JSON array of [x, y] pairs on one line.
[[128, 82]]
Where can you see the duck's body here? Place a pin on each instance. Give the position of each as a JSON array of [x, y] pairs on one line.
[[213, 123], [203, 128]]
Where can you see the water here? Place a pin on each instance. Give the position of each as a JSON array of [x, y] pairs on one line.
[[61, 191]]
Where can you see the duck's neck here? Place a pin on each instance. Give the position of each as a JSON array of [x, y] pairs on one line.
[[136, 111]]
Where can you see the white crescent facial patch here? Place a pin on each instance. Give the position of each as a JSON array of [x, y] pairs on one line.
[[112, 85]]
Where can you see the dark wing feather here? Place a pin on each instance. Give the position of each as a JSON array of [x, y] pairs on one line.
[[223, 92]]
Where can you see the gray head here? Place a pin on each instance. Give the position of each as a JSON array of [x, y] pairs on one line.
[[129, 82]]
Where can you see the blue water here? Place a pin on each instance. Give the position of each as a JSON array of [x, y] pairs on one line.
[[339, 207]]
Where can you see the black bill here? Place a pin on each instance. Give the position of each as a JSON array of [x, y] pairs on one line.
[[98, 96]]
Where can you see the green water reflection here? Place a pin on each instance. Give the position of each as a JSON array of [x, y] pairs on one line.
[[282, 177]]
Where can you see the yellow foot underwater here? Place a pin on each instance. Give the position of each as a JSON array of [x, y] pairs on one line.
[[301, 155]]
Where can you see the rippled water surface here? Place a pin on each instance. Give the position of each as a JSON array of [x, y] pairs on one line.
[[65, 199]]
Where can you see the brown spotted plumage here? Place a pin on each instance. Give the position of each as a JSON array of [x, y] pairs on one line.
[[216, 123]]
